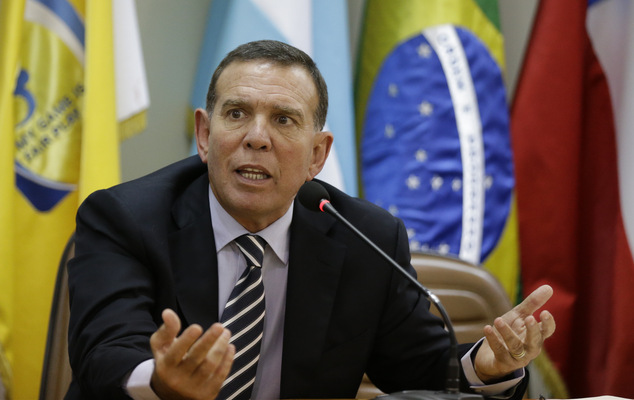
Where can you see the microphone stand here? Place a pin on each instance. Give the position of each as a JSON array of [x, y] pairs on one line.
[[452, 385]]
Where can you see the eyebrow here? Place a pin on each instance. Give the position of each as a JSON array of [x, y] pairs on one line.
[[291, 111], [233, 103], [294, 112]]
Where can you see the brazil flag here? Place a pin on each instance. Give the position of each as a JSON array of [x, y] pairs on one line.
[[433, 128]]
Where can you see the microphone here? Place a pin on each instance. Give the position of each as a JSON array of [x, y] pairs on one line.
[[315, 197]]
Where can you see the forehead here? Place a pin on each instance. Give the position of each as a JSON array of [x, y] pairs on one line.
[[264, 77]]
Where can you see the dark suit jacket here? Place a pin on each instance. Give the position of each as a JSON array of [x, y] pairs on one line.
[[148, 244]]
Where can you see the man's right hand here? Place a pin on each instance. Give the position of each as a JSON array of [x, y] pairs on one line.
[[192, 365]]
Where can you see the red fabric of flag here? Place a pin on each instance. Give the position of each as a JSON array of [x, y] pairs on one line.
[[571, 230]]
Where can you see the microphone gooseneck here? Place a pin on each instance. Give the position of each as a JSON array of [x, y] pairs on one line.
[[315, 197]]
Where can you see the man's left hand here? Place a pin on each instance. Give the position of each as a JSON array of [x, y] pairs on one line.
[[515, 338]]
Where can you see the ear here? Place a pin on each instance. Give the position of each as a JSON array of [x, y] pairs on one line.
[[322, 143], [202, 133]]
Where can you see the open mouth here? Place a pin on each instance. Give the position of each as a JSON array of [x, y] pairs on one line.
[[253, 174]]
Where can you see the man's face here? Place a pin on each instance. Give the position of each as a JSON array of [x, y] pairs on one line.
[[261, 143]]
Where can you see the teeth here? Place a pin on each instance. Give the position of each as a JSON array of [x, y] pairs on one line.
[[252, 173], [254, 176]]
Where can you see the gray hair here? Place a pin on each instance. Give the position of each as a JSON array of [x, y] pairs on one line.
[[278, 53]]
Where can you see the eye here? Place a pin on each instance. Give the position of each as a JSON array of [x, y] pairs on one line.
[[235, 114], [286, 120]]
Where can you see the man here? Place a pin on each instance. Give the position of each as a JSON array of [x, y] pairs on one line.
[[157, 260]]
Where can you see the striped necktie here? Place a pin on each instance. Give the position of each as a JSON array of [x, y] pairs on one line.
[[244, 317]]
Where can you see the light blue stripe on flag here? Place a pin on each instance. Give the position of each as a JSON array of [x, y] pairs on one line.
[[65, 11], [332, 55], [231, 23]]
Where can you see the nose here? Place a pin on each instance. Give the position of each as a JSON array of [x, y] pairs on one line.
[[258, 137]]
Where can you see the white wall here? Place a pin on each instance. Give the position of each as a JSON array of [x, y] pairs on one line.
[[171, 33]]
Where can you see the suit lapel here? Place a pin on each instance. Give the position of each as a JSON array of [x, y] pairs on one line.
[[193, 256], [314, 268]]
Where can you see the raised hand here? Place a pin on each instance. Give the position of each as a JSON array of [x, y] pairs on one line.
[[515, 338], [193, 365]]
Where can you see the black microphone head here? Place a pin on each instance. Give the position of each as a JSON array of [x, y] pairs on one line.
[[311, 194]]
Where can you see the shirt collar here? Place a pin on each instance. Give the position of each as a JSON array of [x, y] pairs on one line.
[[226, 229]]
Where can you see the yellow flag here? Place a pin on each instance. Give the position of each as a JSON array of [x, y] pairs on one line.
[[10, 24], [59, 142], [100, 142]]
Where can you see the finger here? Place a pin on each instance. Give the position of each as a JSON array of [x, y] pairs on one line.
[[176, 353], [216, 353], [519, 326], [512, 341], [494, 332], [222, 372], [534, 301], [496, 343], [534, 338], [223, 368], [547, 324], [214, 356], [198, 351], [166, 333]]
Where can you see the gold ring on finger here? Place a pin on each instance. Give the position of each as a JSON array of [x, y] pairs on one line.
[[519, 355]]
